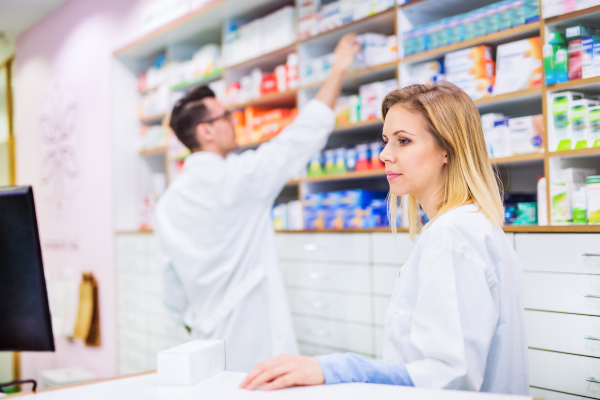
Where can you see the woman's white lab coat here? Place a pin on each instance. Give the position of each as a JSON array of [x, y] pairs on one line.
[[221, 275], [455, 318]]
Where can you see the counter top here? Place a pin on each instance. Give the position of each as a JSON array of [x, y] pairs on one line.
[[225, 386]]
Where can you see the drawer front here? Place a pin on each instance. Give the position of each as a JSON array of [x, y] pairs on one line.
[[347, 278], [511, 238], [345, 307], [559, 252], [339, 335], [314, 350], [381, 305], [337, 247], [384, 279], [562, 292], [567, 333], [564, 372], [391, 249]]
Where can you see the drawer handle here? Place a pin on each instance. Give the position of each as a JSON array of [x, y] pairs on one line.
[[591, 338], [592, 379], [310, 247], [318, 305], [318, 332], [315, 276], [591, 254]]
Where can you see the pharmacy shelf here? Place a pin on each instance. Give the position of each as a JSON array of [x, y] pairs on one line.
[[134, 232], [523, 158], [521, 95], [378, 173], [279, 99], [154, 151], [374, 18], [204, 22], [420, 12], [364, 75], [153, 119], [576, 152], [272, 57], [509, 35], [203, 80], [575, 17], [591, 84], [293, 182], [372, 123]]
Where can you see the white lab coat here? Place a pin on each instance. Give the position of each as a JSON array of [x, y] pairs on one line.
[[221, 275], [456, 315]]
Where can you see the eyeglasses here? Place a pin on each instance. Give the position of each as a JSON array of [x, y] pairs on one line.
[[225, 115]]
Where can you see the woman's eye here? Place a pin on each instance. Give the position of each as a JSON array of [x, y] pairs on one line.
[[404, 142]]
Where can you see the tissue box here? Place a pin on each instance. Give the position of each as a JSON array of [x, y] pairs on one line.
[[191, 362]]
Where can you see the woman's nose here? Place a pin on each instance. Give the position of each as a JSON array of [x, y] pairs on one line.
[[386, 154]]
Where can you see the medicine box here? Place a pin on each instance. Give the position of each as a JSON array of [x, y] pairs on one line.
[[580, 122], [560, 135], [525, 134], [499, 138], [575, 174], [588, 67], [191, 362], [594, 126], [518, 66]]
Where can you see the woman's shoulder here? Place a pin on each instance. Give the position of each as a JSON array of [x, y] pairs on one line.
[[466, 223]]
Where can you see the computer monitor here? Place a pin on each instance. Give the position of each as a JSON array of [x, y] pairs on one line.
[[25, 323]]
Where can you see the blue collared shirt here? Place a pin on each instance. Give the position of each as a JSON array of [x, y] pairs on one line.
[[350, 367]]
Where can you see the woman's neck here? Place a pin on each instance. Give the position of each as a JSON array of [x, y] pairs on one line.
[[430, 201]]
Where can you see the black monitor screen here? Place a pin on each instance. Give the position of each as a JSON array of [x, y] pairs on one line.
[[24, 314]]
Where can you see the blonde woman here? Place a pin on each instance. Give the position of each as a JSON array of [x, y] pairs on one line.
[[455, 319]]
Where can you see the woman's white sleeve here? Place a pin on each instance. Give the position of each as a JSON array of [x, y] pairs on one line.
[[454, 322]]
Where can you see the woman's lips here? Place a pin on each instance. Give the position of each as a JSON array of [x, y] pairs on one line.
[[391, 175]]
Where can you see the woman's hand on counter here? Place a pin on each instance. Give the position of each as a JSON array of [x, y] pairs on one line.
[[283, 371]]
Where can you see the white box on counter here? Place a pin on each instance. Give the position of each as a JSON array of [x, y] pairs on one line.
[[191, 362]]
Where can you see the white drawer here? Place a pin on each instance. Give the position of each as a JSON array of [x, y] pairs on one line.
[[381, 305], [562, 292], [563, 332], [132, 284], [511, 238], [379, 342], [348, 278], [339, 335], [131, 245], [391, 249], [564, 372], [314, 350], [384, 279], [345, 307], [550, 395], [132, 264], [338, 247], [562, 252]]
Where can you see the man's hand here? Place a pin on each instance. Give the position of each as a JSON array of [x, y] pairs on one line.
[[285, 370], [344, 52]]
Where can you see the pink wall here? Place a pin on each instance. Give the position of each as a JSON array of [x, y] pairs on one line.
[[64, 149]]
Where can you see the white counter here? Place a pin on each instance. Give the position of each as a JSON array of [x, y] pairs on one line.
[[225, 386]]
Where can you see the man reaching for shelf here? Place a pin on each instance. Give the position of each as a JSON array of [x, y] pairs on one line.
[[220, 272]]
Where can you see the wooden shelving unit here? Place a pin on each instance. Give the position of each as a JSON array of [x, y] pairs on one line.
[[203, 80], [507, 228], [153, 119], [208, 18]]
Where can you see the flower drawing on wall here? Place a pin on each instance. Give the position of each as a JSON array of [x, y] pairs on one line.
[[60, 167]]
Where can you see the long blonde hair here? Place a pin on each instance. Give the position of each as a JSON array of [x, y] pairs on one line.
[[453, 120]]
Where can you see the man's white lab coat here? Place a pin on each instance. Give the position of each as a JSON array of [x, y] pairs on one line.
[[221, 275]]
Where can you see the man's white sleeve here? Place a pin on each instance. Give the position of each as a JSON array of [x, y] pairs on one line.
[[267, 169]]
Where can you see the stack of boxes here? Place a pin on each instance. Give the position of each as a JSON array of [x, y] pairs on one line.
[[493, 18], [315, 17], [364, 106], [258, 83], [377, 49], [505, 136], [363, 157], [257, 124], [259, 36], [550, 8], [576, 198], [351, 209], [574, 123], [472, 70], [574, 55]]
